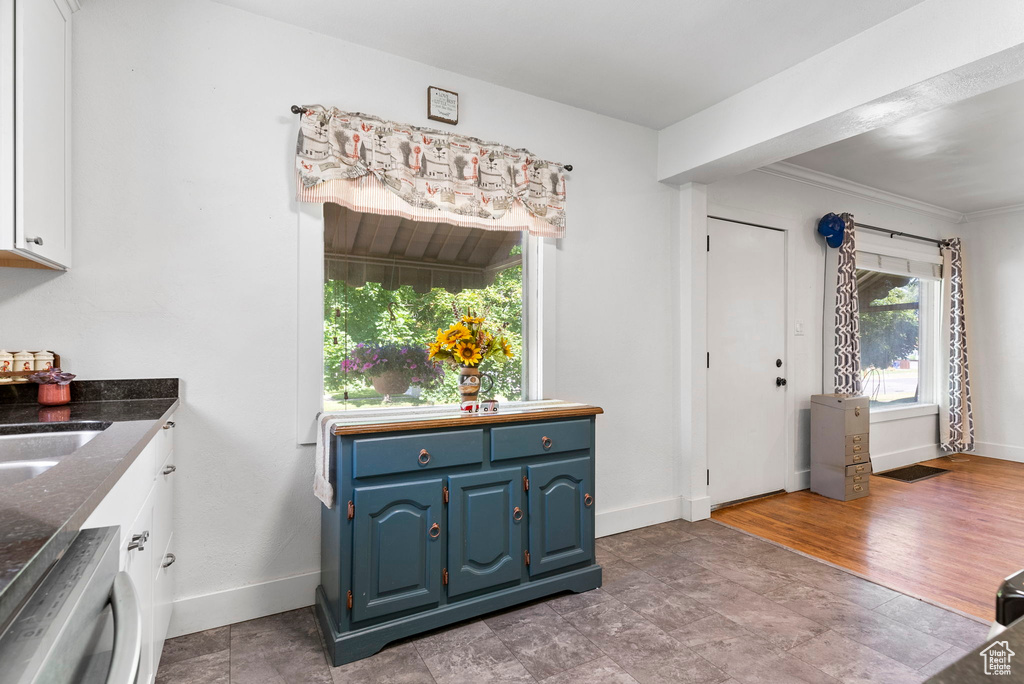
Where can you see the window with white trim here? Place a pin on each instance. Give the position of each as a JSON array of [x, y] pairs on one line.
[[900, 313]]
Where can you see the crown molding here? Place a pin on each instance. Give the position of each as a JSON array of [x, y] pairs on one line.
[[995, 211], [818, 179]]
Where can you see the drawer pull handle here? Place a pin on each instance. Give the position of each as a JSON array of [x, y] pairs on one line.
[[168, 425], [139, 541], [169, 469], [859, 469], [856, 411], [858, 447], [857, 438], [435, 531], [858, 488], [856, 457], [545, 442], [424, 457], [588, 500], [517, 514], [169, 560]]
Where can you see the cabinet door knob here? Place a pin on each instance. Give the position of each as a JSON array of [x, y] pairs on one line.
[[435, 531], [168, 425], [139, 541], [35, 241], [424, 457], [169, 469], [517, 514], [169, 560], [545, 442], [588, 500]]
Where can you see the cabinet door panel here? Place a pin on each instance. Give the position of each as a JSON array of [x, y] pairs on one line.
[[485, 542], [561, 525], [396, 563]]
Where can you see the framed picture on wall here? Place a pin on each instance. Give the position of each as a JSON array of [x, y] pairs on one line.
[[442, 105]]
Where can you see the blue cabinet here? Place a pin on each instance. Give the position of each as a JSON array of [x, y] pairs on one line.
[[561, 524], [434, 526], [398, 531], [485, 520]]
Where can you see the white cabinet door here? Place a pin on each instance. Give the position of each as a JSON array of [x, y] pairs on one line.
[[139, 564], [42, 82]]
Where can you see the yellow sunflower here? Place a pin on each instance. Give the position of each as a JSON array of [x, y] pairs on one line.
[[467, 353], [433, 348], [506, 347], [473, 320], [453, 334]]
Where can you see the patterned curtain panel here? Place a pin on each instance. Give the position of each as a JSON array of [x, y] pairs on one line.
[[956, 419], [368, 164], [847, 316]]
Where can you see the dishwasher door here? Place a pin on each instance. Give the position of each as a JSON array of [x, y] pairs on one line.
[[81, 625]]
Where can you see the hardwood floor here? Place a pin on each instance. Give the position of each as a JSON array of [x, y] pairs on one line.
[[950, 539]]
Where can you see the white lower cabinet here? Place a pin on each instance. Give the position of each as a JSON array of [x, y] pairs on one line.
[[142, 504]]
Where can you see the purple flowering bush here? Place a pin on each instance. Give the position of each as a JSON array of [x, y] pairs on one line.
[[370, 361]]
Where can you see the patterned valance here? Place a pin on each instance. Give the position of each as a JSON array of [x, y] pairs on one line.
[[371, 165]]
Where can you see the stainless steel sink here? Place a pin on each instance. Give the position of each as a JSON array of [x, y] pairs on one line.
[[24, 456]]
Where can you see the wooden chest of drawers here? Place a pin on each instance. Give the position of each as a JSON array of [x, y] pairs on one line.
[[840, 446], [436, 525]]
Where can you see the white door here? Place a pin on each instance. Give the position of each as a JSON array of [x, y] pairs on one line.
[[746, 345]]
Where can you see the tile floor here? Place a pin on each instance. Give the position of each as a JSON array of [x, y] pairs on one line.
[[681, 602]]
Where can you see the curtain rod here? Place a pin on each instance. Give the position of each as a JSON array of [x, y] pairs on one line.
[[296, 109], [895, 233]]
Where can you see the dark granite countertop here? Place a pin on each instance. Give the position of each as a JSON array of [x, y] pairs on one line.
[[40, 517]]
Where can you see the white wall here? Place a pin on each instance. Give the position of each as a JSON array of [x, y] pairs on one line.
[[994, 279], [185, 253], [796, 207]]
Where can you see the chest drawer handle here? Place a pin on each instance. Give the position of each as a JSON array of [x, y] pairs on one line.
[[856, 457], [857, 438], [517, 514], [858, 488], [169, 469], [588, 500], [545, 442], [168, 425], [856, 411], [435, 531], [858, 447], [424, 457]]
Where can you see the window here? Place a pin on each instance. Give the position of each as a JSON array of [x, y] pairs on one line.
[[899, 322], [390, 283]]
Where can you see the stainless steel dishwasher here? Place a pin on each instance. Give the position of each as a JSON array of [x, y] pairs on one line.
[[81, 624]]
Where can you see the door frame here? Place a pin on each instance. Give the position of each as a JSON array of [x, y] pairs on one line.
[[789, 436]]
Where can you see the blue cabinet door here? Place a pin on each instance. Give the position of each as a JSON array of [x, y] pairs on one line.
[[396, 548], [485, 538], [561, 523]]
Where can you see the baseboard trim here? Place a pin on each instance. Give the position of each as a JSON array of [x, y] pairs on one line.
[[801, 480], [634, 517], [898, 459], [197, 613], [697, 509], [1004, 452]]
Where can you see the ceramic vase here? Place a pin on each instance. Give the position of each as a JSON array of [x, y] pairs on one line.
[[54, 395]]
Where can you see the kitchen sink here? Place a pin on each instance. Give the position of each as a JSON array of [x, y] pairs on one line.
[[30, 454]]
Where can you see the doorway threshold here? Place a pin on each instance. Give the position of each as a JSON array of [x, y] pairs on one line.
[[726, 504]]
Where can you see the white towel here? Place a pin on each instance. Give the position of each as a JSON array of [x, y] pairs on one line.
[[322, 487]]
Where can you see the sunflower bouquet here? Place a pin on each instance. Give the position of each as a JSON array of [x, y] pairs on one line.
[[468, 342]]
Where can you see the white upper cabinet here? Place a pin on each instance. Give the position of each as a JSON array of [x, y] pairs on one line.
[[35, 133]]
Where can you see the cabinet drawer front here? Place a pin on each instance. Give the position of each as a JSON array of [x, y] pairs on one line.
[[857, 479], [852, 449], [853, 440], [517, 441], [485, 529], [385, 455], [858, 421], [396, 548], [856, 490], [561, 522], [858, 457], [858, 469]]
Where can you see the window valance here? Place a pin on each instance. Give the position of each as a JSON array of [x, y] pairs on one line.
[[371, 165]]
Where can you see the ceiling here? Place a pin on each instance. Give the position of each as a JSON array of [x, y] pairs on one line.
[[967, 157], [652, 63]]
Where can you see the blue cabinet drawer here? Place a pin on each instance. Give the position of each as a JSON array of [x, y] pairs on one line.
[[517, 441], [386, 455]]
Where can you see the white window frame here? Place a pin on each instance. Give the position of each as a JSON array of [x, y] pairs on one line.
[[538, 313], [929, 332]]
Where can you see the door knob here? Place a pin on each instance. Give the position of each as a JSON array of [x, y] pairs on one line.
[[35, 241], [780, 382]]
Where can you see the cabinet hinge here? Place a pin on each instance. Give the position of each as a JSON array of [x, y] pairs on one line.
[[444, 491], [351, 510], [526, 555], [348, 602], [526, 484], [444, 576]]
